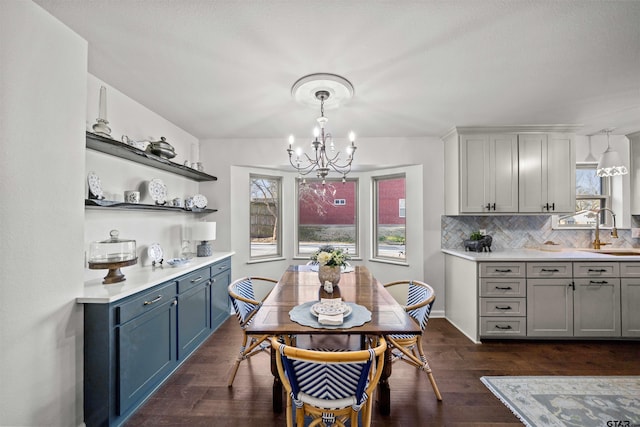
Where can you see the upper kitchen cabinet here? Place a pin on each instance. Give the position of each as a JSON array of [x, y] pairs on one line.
[[547, 173], [509, 170], [634, 171], [488, 173]]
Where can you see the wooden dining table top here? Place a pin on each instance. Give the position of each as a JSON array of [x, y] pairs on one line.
[[300, 284]]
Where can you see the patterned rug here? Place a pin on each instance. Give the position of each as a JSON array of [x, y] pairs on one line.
[[570, 401]]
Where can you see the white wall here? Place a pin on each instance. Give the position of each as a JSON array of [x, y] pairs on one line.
[[42, 102], [231, 159]]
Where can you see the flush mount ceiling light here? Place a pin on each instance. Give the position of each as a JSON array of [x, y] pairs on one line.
[[328, 91], [610, 163]]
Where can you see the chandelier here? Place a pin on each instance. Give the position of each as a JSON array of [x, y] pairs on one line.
[[324, 157]]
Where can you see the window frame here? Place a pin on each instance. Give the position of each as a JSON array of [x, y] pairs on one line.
[[279, 233], [338, 181], [375, 255], [605, 199]]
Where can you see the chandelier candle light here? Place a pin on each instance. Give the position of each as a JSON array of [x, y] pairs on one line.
[[323, 160]]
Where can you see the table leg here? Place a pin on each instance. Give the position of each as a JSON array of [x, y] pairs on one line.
[[277, 384], [384, 391]]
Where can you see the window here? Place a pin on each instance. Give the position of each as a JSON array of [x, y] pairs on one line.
[[327, 214], [390, 217], [592, 193], [265, 234]]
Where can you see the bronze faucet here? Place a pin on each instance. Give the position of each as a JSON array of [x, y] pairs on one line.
[[614, 231]]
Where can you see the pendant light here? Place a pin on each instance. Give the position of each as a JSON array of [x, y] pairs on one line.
[[610, 163]]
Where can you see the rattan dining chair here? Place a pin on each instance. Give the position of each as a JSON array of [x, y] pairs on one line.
[[420, 299], [332, 388], [245, 304]]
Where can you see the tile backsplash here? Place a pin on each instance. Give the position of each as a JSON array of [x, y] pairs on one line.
[[510, 232]]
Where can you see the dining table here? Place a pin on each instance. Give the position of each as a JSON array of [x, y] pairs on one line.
[[375, 313]]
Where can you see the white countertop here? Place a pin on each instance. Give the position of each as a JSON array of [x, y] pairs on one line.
[[566, 254], [141, 279]]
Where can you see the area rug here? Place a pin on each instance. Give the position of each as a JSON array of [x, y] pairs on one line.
[[570, 401]]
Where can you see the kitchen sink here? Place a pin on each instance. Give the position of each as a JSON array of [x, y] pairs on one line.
[[615, 251]]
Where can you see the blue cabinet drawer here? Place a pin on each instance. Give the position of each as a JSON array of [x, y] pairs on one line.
[[198, 277], [145, 302], [220, 266]]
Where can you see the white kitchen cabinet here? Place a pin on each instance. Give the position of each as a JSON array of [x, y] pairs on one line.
[[488, 173], [634, 171], [509, 170], [596, 306], [549, 307], [547, 173], [503, 304], [630, 298]]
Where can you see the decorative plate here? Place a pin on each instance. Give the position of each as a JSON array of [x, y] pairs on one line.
[[178, 262], [199, 201], [95, 187], [155, 252], [330, 309], [158, 191]]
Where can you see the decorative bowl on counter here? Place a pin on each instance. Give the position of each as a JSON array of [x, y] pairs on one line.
[[178, 262], [112, 254]]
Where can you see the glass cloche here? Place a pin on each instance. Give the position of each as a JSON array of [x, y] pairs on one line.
[[112, 254]]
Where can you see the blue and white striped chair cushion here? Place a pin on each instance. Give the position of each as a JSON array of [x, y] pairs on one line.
[[338, 383], [242, 308], [417, 294]]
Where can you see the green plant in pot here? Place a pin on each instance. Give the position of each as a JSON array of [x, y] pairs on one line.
[[476, 235]]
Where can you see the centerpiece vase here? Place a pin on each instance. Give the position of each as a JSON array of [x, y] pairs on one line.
[[329, 273]]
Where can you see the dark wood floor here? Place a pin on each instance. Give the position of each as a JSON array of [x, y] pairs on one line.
[[197, 394]]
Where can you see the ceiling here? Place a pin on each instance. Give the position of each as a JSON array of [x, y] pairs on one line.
[[224, 69]]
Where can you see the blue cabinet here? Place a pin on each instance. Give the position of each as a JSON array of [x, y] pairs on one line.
[[134, 344], [220, 281], [194, 310]]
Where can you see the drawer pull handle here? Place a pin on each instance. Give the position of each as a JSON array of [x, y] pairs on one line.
[[503, 308], [601, 282], [597, 270], [505, 328], [197, 279], [550, 270], [508, 270], [222, 267], [504, 288], [153, 301]]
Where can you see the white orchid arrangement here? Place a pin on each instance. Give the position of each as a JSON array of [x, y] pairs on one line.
[[328, 255]]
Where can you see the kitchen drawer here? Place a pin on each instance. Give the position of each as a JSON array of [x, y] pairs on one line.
[[629, 269], [547, 270], [499, 287], [194, 278], [502, 269], [220, 266], [502, 327], [596, 269], [503, 307], [145, 302]]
